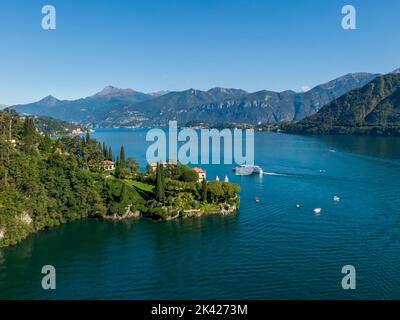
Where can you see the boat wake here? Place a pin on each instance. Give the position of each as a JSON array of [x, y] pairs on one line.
[[276, 174]]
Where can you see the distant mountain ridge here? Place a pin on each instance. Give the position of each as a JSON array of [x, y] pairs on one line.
[[87, 110], [371, 109], [273, 107], [234, 105], [114, 107]]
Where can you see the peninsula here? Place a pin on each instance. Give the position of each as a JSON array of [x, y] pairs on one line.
[[46, 182]]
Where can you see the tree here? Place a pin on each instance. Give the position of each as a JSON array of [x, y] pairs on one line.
[[162, 170], [105, 153], [204, 191], [29, 133], [160, 188], [124, 196], [158, 183], [215, 190], [110, 154], [189, 175], [132, 164], [29, 128], [122, 162], [46, 145], [121, 171], [230, 189], [99, 152]]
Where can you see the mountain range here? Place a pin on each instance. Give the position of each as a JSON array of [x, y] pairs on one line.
[[86, 110], [371, 109], [114, 107]]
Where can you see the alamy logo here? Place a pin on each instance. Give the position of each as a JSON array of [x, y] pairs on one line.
[[49, 280], [210, 141], [349, 20], [49, 20], [349, 280]]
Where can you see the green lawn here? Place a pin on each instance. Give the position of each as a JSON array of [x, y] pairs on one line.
[[209, 207], [140, 186]]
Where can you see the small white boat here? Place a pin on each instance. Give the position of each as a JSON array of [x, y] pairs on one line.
[[298, 206], [336, 199], [317, 210]]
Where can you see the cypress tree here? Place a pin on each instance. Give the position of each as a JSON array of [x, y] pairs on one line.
[[100, 155], [110, 154], [124, 197], [158, 181], [105, 155], [159, 192], [122, 201], [122, 162], [162, 183], [204, 190]]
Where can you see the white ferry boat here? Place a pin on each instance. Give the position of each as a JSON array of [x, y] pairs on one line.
[[246, 170]]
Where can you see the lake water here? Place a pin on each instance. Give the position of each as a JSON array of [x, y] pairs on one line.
[[270, 250]]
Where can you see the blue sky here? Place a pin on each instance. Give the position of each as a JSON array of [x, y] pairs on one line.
[[153, 45]]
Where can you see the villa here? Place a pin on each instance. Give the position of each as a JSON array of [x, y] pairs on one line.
[[170, 162], [108, 165], [201, 173]]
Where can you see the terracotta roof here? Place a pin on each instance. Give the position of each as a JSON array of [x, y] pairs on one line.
[[108, 162], [199, 170], [164, 163]]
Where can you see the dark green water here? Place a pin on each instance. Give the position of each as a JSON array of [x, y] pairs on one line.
[[270, 250]]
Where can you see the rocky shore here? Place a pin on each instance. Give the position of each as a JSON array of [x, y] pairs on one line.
[[224, 210], [128, 215]]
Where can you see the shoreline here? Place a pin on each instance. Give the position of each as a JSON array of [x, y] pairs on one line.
[[181, 214], [134, 215]]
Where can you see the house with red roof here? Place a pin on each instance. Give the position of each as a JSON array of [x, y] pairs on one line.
[[201, 172], [108, 165]]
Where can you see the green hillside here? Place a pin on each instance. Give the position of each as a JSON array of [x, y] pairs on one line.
[[372, 109]]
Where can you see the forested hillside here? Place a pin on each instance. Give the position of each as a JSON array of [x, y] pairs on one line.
[[372, 109], [46, 182]]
